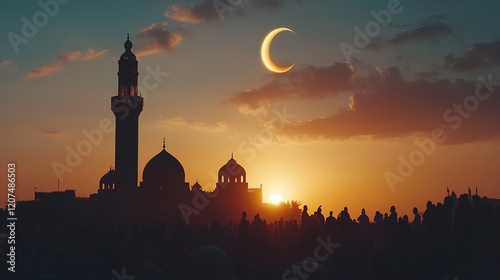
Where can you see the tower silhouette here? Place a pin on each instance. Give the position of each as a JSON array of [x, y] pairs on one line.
[[127, 106]]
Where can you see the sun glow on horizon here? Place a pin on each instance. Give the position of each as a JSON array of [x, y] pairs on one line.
[[276, 198]]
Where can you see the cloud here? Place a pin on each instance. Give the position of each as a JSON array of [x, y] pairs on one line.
[[307, 82], [268, 4], [179, 121], [93, 54], [44, 71], [423, 32], [392, 106], [77, 55], [53, 133], [8, 66], [477, 56], [64, 58], [209, 10], [159, 38], [70, 56], [193, 13]]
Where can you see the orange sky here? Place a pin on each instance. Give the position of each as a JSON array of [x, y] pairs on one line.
[[325, 133]]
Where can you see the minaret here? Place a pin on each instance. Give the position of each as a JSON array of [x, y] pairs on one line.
[[127, 106]]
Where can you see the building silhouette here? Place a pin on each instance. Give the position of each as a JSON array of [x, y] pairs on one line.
[[127, 106], [163, 184], [135, 226]]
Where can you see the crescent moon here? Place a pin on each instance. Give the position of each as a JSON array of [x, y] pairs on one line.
[[266, 57]]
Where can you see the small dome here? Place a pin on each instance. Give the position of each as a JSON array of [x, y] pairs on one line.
[[196, 186], [108, 178], [232, 172], [127, 45], [163, 170], [128, 53]]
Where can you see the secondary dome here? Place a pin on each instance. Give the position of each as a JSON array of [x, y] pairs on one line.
[[108, 180], [128, 53], [232, 172], [162, 171]]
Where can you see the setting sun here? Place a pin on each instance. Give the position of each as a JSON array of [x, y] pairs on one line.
[[276, 198]]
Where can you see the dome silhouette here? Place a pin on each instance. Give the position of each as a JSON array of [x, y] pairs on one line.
[[163, 171], [108, 180], [128, 54], [232, 172], [109, 177], [196, 186], [128, 44]]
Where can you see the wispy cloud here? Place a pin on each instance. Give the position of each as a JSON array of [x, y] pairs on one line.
[[77, 55], [93, 54], [307, 82], [70, 56], [207, 10], [44, 71], [425, 32], [8, 66], [62, 59], [159, 38], [477, 55], [53, 133], [192, 13], [179, 121], [390, 105]]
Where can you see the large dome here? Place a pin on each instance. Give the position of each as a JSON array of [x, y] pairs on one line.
[[163, 171]]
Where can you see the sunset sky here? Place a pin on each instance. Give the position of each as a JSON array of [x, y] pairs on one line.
[[332, 131]]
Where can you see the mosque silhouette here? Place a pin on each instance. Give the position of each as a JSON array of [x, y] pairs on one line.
[[161, 228], [163, 194]]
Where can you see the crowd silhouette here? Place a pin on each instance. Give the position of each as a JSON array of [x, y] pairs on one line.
[[456, 239]]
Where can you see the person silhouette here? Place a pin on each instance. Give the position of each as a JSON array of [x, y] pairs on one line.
[[320, 216], [393, 217], [305, 215], [363, 218], [344, 216], [330, 220], [416, 224], [244, 224]]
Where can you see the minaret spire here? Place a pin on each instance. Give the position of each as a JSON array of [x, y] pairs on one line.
[[127, 106]]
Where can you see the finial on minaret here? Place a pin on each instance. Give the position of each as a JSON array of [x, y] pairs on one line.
[[231, 155], [164, 143]]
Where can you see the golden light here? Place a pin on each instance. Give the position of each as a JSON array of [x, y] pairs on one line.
[[266, 56], [276, 198]]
